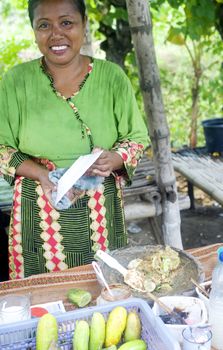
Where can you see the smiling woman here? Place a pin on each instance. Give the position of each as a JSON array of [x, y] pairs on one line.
[[59, 30], [53, 110]]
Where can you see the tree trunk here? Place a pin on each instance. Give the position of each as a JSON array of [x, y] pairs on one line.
[[87, 46], [195, 57], [219, 19], [195, 107], [117, 43], [141, 29]]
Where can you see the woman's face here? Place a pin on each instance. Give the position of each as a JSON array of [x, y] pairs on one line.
[[59, 30]]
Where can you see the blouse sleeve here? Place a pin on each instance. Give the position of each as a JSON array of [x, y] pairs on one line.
[[10, 156], [132, 130]]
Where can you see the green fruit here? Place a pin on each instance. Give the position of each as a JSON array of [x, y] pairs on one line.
[[113, 347], [47, 332], [115, 325], [79, 297], [81, 335], [97, 331], [175, 37], [133, 327], [134, 345]]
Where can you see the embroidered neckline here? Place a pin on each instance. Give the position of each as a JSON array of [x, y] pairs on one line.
[[58, 93], [85, 130]]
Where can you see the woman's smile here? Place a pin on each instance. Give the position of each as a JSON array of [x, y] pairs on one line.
[[59, 50]]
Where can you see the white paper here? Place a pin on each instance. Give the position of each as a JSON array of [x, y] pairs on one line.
[[77, 169], [52, 307]]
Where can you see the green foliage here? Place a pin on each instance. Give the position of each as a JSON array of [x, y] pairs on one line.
[[203, 51], [197, 13], [9, 6], [176, 87], [192, 21], [16, 35], [200, 16], [10, 51]]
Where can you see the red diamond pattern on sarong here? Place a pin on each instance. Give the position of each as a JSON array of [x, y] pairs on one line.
[[97, 215], [16, 261], [97, 195], [98, 206], [52, 239], [99, 218]]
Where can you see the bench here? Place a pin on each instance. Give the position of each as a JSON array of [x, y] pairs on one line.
[[201, 170], [143, 198]]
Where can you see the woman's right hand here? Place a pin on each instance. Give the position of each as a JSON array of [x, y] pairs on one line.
[[37, 172], [47, 186]]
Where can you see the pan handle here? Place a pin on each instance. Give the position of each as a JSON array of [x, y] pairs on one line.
[[110, 261]]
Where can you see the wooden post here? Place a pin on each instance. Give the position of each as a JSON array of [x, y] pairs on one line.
[[141, 28], [87, 45]]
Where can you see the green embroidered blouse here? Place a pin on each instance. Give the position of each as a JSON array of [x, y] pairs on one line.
[[36, 122]]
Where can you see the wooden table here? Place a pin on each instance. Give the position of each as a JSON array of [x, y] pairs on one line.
[[207, 256], [54, 286]]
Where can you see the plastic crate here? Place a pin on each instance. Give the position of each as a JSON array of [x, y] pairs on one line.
[[154, 332]]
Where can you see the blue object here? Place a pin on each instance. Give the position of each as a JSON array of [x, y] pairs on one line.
[[213, 132], [217, 279], [216, 302], [89, 182], [84, 183], [220, 254], [6, 194], [54, 177]]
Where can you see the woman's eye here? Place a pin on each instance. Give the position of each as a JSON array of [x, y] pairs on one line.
[[43, 25], [66, 23]]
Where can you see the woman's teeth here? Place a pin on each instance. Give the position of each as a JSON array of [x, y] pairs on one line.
[[58, 48]]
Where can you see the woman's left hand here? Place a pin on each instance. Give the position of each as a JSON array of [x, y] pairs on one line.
[[105, 164]]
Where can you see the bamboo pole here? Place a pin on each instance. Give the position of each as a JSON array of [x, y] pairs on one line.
[[143, 209], [141, 29]]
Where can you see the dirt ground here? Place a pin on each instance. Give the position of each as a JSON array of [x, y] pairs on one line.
[[199, 227]]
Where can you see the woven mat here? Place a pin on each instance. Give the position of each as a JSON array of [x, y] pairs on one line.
[[54, 286], [207, 257]]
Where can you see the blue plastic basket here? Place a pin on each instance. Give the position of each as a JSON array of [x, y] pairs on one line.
[[154, 332]]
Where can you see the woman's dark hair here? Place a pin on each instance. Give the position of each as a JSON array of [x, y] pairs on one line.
[[79, 5]]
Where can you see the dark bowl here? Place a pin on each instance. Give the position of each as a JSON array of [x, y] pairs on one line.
[[189, 268]]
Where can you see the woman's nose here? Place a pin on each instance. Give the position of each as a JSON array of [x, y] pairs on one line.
[[56, 32]]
